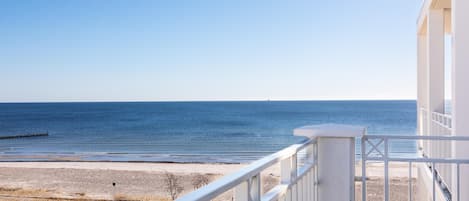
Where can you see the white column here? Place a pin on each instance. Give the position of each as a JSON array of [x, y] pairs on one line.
[[435, 72], [421, 81], [336, 159], [460, 87], [436, 61]]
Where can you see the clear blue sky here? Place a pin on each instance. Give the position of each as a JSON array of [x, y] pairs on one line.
[[207, 50]]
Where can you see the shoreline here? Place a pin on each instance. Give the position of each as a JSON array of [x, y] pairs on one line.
[[131, 158], [215, 168]]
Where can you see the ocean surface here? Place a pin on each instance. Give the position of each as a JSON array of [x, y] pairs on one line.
[[225, 132]]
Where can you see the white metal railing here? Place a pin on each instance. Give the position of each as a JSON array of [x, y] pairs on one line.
[[437, 124], [442, 122], [299, 170], [376, 148], [440, 125], [298, 178]]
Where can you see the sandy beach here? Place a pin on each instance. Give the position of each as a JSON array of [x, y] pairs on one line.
[[140, 181]]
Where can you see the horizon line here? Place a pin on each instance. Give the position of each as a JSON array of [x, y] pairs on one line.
[[220, 100]]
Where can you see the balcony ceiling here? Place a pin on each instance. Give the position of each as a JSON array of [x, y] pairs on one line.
[[434, 4]]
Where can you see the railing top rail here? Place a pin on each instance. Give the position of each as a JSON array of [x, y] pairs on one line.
[[421, 160], [442, 114], [417, 137], [230, 181]]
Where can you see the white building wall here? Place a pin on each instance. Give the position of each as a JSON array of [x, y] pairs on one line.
[[460, 88]]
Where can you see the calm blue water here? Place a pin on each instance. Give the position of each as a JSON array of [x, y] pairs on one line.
[[186, 131]]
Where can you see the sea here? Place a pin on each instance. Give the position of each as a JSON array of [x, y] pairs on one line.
[[183, 132]]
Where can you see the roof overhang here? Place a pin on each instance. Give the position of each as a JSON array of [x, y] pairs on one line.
[[434, 4]]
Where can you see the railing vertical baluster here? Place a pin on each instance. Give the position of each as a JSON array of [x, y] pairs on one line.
[[242, 192], [285, 170], [299, 184], [309, 153], [294, 170], [309, 159], [316, 173], [255, 188], [305, 188], [410, 181], [294, 176], [433, 179], [286, 173], [457, 181], [386, 170], [313, 182], [309, 187], [294, 192], [315, 192], [363, 147], [289, 174]]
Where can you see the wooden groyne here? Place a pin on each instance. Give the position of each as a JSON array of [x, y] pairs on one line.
[[24, 135]]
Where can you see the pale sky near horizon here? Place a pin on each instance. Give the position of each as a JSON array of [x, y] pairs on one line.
[[207, 50]]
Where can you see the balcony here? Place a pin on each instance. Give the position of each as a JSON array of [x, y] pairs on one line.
[[323, 168]]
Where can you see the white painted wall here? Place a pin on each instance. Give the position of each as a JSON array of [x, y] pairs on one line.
[[460, 88]]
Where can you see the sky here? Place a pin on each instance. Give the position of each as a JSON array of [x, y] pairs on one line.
[[184, 50]]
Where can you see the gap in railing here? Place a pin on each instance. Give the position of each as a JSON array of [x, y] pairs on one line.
[[270, 178], [398, 181]]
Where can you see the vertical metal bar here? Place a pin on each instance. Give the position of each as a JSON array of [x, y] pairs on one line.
[[410, 181], [315, 186], [457, 179], [316, 172], [294, 175], [294, 168], [312, 184], [285, 175], [309, 188], [299, 184], [313, 195], [305, 186], [433, 179], [286, 166], [363, 146], [309, 160], [255, 188], [294, 192], [309, 153], [386, 170]]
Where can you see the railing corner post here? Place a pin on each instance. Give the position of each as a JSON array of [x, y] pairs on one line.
[[336, 158]]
